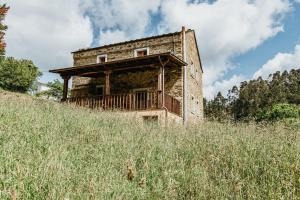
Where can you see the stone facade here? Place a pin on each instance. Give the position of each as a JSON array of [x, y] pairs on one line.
[[194, 79], [130, 81]]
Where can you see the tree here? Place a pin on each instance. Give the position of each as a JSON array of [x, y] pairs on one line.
[[216, 109], [254, 99], [17, 75], [55, 90], [3, 12]]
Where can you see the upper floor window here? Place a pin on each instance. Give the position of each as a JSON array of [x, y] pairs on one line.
[[141, 52], [102, 58]]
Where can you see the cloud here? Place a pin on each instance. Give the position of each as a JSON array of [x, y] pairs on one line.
[[281, 62], [120, 18], [225, 28], [223, 86], [46, 32], [109, 36]]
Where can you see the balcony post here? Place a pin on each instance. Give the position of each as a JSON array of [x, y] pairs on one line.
[[159, 87], [107, 82], [163, 85], [161, 81], [66, 87]]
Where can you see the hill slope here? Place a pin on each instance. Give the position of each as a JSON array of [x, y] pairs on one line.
[[52, 151]]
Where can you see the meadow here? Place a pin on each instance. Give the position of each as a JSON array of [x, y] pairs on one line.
[[54, 151]]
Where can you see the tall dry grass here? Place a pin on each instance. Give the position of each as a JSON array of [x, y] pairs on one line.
[[52, 151]]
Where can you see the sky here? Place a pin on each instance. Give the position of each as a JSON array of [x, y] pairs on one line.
[[238, 39]]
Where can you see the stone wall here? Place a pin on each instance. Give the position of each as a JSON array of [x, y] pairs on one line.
[[123, 51], [195, 92], [163, 118], [126, 82]]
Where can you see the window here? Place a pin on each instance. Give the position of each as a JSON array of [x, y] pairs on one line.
[[150, 119], [193, 69], [141, 52], [102, 58]]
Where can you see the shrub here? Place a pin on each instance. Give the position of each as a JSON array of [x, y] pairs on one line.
[[279, 112], [55, 90], [17, 75]]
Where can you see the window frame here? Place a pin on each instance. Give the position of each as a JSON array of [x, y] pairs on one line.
[[141, 49], [101, 56]]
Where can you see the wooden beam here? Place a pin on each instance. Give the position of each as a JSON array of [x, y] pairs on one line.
[[65, 89], [162, 69], [107, 82], [159, 87]]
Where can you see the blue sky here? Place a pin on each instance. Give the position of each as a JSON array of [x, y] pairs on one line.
[[283, 42], [238, 39]]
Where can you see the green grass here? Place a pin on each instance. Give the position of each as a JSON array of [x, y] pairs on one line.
[[52, 151]]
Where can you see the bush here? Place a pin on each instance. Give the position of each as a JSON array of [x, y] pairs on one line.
[[55, 90], [279, 112], [17, 75]]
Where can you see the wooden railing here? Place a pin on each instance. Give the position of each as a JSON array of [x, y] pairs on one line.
[[172, 104], [129, 102]]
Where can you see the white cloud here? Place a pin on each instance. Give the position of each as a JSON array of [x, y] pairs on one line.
[[46, 32], [281, 62], [223, 86], [109, 36], [225, 28], [120, 18]]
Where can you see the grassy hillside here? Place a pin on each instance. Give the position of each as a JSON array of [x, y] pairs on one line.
[[52, 151]]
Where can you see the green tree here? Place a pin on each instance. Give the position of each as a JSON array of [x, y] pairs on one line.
[[17, 75], [55, 90], [254, 99], [216, 109]]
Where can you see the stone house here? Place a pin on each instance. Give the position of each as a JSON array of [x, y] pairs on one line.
[[157, 78]]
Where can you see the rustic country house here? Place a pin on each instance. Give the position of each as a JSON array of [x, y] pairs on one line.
[[156, 78]]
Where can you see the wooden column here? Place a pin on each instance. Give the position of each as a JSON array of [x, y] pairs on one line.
[[159, 88], [161, 82], [66, 87], [163, 85], [107, 82]]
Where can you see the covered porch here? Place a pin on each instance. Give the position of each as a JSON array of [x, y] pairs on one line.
[[129, 101]]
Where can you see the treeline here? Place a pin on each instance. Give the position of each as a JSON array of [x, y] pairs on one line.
[[276, 97], [18, 75]]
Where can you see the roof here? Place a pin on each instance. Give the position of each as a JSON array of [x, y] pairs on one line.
[[130, 41], [121, 65]]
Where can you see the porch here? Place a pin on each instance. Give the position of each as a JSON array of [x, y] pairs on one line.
[[128, 102], [155, 98]]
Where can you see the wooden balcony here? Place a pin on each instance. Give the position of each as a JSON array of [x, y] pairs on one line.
[[129, 102]]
